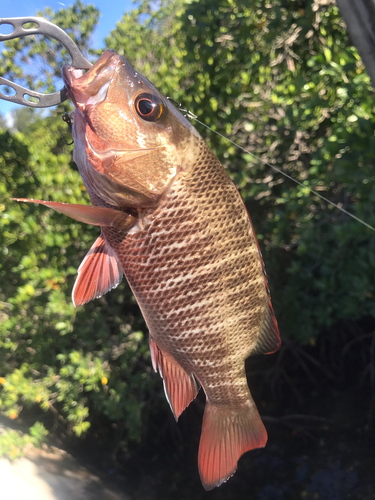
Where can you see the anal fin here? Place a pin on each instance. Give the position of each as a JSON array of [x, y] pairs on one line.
[[180, 388], [98, 273]]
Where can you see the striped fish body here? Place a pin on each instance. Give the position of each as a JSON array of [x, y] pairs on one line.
[[195, 269], [174, 223]]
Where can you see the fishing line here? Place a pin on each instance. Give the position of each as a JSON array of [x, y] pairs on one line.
[[191, 116]]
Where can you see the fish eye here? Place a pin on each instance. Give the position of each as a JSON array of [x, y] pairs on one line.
[[148, 106]]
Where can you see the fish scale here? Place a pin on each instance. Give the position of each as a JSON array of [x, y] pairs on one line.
[[195, 266]]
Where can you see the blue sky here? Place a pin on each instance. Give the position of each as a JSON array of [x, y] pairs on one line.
[[111, 12]]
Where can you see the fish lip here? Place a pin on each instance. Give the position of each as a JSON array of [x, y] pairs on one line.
[[82, 86], [70, 74]]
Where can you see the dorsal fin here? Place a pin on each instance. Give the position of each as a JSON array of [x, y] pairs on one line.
[[98, 273], [179, 387], [269, 338]]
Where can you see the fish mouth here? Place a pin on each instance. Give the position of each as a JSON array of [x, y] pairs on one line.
[[91, 87], [129, 154]]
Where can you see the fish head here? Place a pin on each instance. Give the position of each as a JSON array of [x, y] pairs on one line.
[[129, 141]]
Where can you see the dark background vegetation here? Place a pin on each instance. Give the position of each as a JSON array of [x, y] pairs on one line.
[[281, 79]]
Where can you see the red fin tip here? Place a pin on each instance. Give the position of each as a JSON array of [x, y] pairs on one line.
[[98, 273], [179, 387]]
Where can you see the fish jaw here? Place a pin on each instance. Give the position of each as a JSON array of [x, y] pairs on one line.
[[89, 88], [124, 159]]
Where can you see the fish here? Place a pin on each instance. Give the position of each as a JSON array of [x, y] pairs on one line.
[[173, 222]]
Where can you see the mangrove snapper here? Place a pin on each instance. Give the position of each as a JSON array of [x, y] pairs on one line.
[[174, 223]]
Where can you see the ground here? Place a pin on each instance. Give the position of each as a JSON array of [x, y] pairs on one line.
[[52, 474]]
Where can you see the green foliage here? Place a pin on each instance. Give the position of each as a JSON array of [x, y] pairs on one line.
[[38, 434], [49, 354], [76, 365], [23, 118], [282, 81], [13, 443]]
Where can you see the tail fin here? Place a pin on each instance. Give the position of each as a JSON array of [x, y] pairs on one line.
[[226, 434]]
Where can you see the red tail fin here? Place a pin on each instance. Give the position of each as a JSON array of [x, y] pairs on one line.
[[227, 434]]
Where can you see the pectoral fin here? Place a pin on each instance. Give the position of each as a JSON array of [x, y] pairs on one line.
[[180, 388], [98, 273], [97, 216]]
